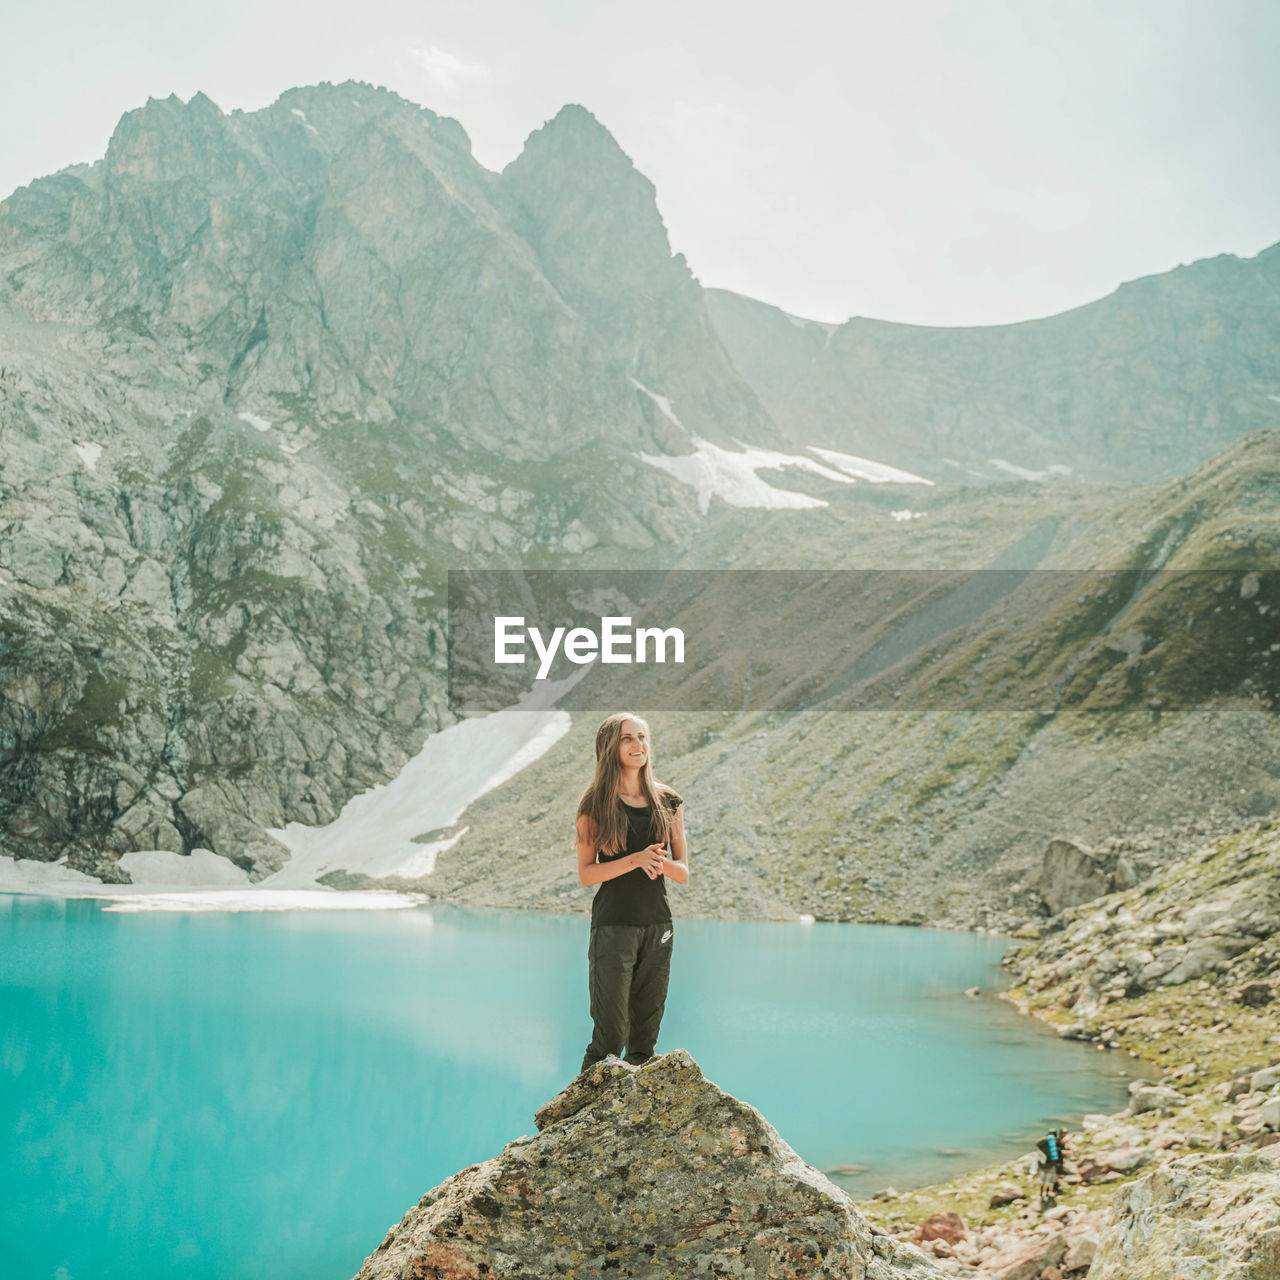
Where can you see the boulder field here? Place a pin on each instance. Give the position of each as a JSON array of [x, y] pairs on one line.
[[1183, 971]]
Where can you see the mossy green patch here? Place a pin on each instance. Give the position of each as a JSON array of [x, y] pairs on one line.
[[81, 729]]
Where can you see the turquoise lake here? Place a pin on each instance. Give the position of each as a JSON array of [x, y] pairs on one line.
[[259, 1096]]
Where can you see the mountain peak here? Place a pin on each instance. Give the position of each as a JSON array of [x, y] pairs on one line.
[[334, 112], [168, 138], [574, 116], [199, 104], [592, 219], [573, 136]]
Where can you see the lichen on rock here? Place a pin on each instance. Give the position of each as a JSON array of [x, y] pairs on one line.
[[1201, 1215]]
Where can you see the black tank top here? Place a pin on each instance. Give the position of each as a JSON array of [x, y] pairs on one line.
[[634, 898]]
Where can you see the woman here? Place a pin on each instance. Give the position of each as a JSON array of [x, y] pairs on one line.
[[627, 820]]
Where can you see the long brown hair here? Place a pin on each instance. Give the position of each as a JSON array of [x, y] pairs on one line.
[[600, 801]]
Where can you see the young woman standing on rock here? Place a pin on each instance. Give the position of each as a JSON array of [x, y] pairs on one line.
[[630, 840]]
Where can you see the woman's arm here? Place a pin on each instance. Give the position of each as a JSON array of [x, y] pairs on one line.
[[592, 872], [677, 866]]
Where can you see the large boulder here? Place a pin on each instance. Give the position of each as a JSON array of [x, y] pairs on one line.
[[1201, 1215], [1145, 1097], [642, 1172], [1071, 874]]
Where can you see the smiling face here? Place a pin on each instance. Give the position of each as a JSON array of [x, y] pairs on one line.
[[633, 744], [624, 765]]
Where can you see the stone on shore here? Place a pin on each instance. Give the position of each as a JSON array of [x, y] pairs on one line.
[[1006, 1193], [649, 1172], [1265, 1080], [940, 1226], [1144, 1098], [1030, 1256], [1254, 994]]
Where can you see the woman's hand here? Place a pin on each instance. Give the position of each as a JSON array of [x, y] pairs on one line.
[[650, 860]]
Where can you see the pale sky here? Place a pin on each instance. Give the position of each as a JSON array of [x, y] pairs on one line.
[[927, 161]]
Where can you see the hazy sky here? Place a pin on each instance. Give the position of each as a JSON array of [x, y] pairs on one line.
[[930, 161]]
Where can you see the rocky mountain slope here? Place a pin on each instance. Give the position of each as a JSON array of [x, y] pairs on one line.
[[1132, 711], [265, 378], [1147, 382]]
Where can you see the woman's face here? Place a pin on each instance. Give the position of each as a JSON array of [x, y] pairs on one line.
[[633, 744]]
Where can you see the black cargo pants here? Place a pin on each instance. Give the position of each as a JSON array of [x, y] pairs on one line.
[[629, 965]]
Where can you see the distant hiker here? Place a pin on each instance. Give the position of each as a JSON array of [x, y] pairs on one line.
[[630, 831], [1052, 1149]]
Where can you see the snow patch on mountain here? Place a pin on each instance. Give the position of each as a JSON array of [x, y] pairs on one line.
[[866, 469], [374, 833], [664, 405], [53, 879], [1025, 473], [89, 453], [713, 472], [201, 867]]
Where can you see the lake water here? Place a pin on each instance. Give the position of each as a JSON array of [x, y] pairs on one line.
[[260, 1096]]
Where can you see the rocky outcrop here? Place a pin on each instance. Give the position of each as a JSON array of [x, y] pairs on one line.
[[1071, 874], [1199, 1215], [1215, 914], [646, 1172], [1182, 970], [1060, 1245], [995, 1222], [1040, 1243]]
